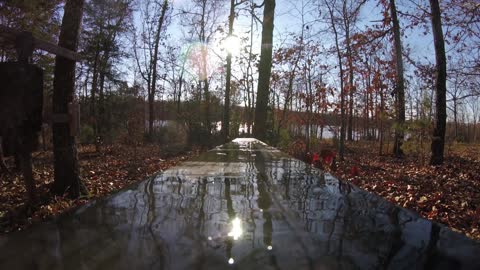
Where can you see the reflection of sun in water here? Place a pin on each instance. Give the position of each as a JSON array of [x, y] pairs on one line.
[[232, 45], [237, 230]]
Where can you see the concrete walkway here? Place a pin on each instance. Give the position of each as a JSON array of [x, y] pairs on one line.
[[243, 205]]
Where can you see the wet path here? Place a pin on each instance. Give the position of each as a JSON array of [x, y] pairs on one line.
[[243, 205]]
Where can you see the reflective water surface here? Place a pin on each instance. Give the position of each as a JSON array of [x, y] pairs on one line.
[[243, 205]]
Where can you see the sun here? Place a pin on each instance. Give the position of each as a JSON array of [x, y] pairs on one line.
[[232, 45]]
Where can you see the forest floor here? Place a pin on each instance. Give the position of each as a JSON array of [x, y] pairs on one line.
[[113, 168], [448, 194]]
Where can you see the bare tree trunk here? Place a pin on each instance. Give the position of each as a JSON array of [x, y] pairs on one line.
[[438, 139], [265, 70], [151, 117], [93, 94], [381, 131], [66, 167], [342, 88], [288, 97], [367, 102], [206, 91], [400, 83], [226, 110], [204, 76], [309, 107], [455, 120], [100, 118], [152, 90], [249, 77], [180, 86], [351, 87], [474, 129]]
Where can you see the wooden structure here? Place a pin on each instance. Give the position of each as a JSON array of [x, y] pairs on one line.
[[26, 42], [21, 99]]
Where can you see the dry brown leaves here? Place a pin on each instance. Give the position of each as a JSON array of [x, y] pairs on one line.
[[113, 168], [449, 194]]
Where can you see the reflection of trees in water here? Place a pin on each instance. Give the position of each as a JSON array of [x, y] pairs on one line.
[[168, 207], [250, 194], [353, 226], [264, 202], [123, 229], [161, 250], [204, 204], [201, 192], [231, 216]]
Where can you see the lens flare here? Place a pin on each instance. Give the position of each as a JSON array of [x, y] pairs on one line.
[[198, 60]]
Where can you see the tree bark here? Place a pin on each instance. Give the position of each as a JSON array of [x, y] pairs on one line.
[[381, 131], [152, 90], [100, 118], [206, 91], [203, 80], [438, 139], [342, 89], [265, 71], [289, 94], [66, 167], [226, 110], [309, 106], [249, 77], [93, 108], [351, 87], [400, 83], [455, 120], [180, 85]]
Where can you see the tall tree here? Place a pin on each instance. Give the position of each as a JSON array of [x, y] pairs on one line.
[[248, 78], [42, 18], [66, 167], [343, 121], [438, 139], [349, 14], [150, 37], [226, 110], [399, 82], [265, 70], [152, 90], [290, 58], [201, 17], [104, 22]]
